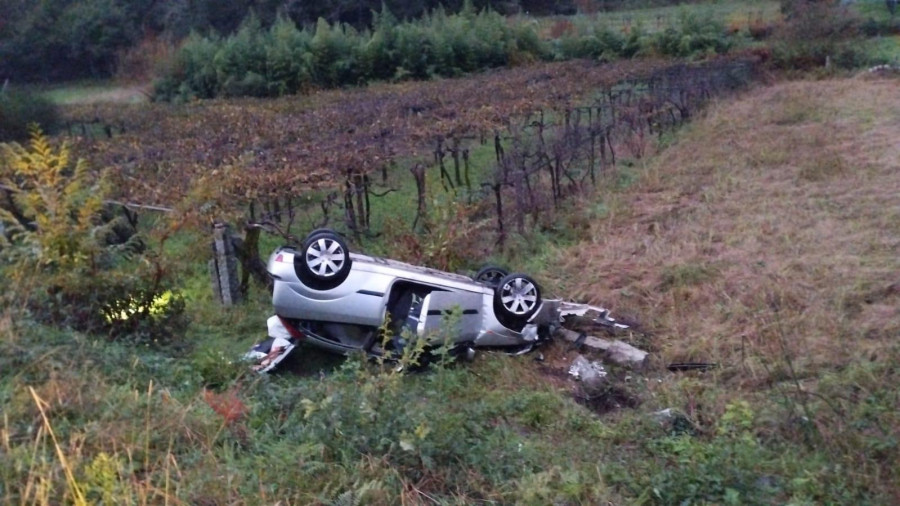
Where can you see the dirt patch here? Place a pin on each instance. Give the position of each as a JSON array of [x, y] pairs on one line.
[[612, 397]]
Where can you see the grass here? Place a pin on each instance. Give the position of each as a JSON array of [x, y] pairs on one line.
[[785, 203], [736, 15], [95, 92], [884, 49], [874, 9]]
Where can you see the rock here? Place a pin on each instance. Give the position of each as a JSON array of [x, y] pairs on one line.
[[624, 353], [616, 351]]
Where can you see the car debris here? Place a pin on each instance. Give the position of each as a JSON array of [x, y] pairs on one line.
[[328, 297], [691, 366], [272, 351], [588, 372]]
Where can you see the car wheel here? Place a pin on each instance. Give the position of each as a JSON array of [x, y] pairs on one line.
[[324, 261], [516, 298], [490, 275]]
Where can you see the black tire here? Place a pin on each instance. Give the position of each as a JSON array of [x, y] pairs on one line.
[[324, 261], [516, 298], [490, 275]]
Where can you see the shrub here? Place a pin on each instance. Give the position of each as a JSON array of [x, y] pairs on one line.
[[285, 59], [145, 61], [814, 32], [193, 74], [240, 61], [590, 41], [18, 109], [696, 35], [285, 72], [56, 258]]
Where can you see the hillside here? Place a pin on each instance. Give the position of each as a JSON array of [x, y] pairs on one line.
[[769, 228]]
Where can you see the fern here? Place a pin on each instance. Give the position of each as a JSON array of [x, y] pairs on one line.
[[57, 203], [56, 237]]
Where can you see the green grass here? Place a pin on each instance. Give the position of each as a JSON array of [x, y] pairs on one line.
[[93, 92], [731, 13], [137, 425], [874, 9], [883, 50]]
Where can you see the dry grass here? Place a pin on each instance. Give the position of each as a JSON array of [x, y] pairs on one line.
[[771, 229]]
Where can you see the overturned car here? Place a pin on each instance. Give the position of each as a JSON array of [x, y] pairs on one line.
[[341, 301]]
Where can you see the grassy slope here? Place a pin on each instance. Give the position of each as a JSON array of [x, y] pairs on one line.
[[774, 217], [764, 238]]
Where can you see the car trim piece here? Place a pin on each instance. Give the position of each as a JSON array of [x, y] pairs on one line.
[[370, 292], [438, 312]]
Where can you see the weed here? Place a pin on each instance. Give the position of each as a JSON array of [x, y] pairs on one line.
[[822, 167], [678, 276]]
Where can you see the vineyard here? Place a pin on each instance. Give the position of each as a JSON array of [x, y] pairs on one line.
[[515, 144]]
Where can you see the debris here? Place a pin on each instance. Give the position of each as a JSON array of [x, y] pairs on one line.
[[675, 421], [603, 318], [663, 415], [272, 351], [591, 374], [691, 366], [883, 69], [617, 351]]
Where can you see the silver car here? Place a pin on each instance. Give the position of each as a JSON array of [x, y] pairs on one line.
[[338, 300]]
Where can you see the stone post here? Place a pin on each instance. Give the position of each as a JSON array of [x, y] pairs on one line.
[[223, 268]]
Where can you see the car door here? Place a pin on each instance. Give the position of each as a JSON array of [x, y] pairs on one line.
[[437, 308]]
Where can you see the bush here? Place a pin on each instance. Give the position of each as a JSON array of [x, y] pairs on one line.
[[285, 59], [56, 259], [193, 74], [695, 36], [18, 109], [814, 33], [589, 40]]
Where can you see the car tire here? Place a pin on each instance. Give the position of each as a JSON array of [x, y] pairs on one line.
[[490, 275], [516, 298], [324, 261]]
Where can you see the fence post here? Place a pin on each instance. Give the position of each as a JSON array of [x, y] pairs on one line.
[[223, 268]]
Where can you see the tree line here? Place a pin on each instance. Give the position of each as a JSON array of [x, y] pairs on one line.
[[55, 40]]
